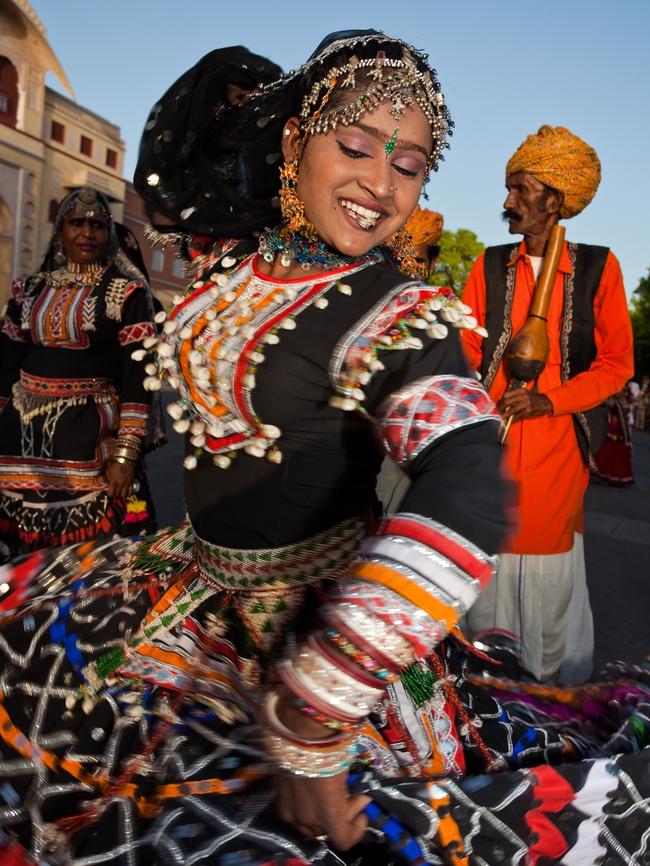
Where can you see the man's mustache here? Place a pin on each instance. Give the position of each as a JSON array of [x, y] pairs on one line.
[[510, 214]]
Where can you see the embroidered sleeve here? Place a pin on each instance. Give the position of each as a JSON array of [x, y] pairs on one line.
[[422, 570], [135, 333], [137, 326], [412, 582], [415, 416], [118, 292], [410, 317]]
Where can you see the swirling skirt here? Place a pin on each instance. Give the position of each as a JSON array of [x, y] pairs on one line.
[[126, 739]]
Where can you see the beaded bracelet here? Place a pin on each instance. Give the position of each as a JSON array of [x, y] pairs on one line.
[[278, 727], [369, 633], [333, 686], [287, 676], [343, 662], [311, 759], [327, 721], [346, 647]]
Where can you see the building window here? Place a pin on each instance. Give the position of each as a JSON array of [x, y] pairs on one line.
[[111, 158], [86, 146], [157, 261], [178, 268], [52, 210], [57, 132], [8, 92]]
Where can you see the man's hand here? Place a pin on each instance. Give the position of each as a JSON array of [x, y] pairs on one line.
[[520, 404], [322, 807], [119, 477]]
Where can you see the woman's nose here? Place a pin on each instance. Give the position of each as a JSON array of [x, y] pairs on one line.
[[379, 179]]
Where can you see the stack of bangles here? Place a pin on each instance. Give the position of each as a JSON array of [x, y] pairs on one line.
[[126, 449], [335, 678]]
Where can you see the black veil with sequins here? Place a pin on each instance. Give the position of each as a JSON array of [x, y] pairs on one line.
[[209, 168]]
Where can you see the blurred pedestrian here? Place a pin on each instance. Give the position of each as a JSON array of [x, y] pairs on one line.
[[614, 458]]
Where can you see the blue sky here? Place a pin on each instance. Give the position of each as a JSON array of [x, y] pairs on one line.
[[506, 67]]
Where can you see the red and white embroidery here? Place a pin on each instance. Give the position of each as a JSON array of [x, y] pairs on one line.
[[119, 289], [135, 333], [133, 419], [415, 416], [213, 342], [11, 330], [59, 316], [388, 326]]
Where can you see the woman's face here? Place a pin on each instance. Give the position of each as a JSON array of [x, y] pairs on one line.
[[355, 193], [84, 237]]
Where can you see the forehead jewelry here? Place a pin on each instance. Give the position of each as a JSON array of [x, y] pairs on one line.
[[390, 145], [399, 82]]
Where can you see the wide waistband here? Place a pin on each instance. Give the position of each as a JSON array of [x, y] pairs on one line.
[[62, 388], [321, 556]]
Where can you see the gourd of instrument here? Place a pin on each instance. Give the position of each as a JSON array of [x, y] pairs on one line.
[[527, 353]]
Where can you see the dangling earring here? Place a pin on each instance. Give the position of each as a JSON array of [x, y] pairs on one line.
[[401, 243], [291, 207], [59, 256]]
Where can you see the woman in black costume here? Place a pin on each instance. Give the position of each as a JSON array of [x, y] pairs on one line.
[[75, 414], [280, 655]]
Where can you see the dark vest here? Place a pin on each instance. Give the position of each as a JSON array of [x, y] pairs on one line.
[[577, 345]]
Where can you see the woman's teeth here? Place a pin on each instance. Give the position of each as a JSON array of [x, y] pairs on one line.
[[364, 216]]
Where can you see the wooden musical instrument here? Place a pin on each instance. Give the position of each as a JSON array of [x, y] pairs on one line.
[[527, 352]]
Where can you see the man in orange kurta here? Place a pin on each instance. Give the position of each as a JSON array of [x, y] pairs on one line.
[[540, 591]]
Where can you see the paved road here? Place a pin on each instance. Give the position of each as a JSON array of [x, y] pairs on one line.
[[617, 545], [617, 548]]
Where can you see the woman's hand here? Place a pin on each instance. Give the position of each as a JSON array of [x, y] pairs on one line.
[[322, 807], [119, 477], [318, 807], [521, 404]]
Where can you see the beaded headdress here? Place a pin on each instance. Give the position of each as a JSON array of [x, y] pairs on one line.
[[87, 200], [374, 69], [228, 186]]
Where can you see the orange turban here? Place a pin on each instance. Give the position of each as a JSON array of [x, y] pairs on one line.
[[561, 160], [424, 226]]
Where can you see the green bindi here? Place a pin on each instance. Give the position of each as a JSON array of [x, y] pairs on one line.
[[390, 145]]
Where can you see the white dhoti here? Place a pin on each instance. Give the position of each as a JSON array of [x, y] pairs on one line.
[[543, 601]]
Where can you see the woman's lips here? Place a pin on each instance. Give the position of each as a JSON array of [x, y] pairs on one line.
[[364, 217]]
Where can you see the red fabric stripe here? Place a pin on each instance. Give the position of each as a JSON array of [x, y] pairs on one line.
[[430, 536]]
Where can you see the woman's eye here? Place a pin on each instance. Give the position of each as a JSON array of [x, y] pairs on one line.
[[405, 171], [351, 152]]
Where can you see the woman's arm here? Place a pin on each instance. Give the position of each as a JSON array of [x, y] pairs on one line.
[[414, 578], [14, 343], [136, 326]]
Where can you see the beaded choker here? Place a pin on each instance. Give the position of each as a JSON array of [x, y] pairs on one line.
[[75, 274], [307, 252]]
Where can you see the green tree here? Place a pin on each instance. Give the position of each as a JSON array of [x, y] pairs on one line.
[[640, 315], [458, 252]]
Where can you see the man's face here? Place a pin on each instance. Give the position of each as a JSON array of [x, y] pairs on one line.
[[528, 207]]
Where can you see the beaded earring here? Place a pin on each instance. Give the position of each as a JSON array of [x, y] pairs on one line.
[[401, 244], [293, 211], [59, 256]]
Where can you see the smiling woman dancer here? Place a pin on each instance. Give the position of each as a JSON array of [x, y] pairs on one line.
[[167, 702]]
